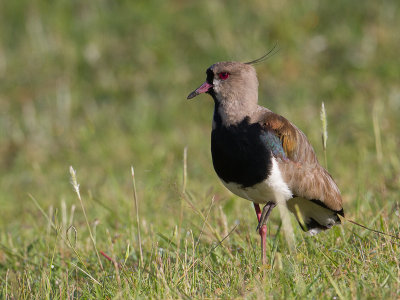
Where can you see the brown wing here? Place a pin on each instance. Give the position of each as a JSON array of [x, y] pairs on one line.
[[301, 171], [294, 142], [311, 182]]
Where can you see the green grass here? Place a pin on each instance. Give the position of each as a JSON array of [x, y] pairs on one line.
[[101, 86]]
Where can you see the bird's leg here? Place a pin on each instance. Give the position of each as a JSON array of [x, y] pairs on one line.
[[262, 218], [263, 233], [265, 214]]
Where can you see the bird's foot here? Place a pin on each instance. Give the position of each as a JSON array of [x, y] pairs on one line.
[[265, 214]]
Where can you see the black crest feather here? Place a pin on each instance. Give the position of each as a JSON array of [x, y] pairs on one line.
[[273, 51]]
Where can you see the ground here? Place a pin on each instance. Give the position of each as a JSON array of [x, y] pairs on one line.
[[101, 86]]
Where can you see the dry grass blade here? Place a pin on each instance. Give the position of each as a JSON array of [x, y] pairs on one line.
[[208, 253], [184, 170], [137, 214], [333, 282], [324, 132], [64, 238], [182, 196], [204, 223], [377, 131], [87, 274], [370, 229], [76, 188]]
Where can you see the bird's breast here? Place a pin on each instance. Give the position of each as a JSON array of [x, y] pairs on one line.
[[240, 155], [264, 191]]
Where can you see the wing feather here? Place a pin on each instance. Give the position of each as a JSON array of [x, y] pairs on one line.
[[299, 166]]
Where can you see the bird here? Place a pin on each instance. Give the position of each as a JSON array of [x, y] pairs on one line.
[[259, 155]]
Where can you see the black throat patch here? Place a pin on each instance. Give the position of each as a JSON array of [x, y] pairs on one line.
[[239, 153]]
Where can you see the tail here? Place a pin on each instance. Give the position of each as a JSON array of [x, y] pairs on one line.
[[313, 215]]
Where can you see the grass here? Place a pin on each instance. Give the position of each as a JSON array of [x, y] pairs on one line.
[[101, 86]]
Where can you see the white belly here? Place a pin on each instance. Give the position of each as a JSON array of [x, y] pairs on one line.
[[265, 191]]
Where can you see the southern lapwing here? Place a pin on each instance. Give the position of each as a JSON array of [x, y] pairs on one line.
[[258, 154]]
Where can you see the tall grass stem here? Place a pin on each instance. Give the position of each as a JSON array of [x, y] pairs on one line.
[[324, 132], [135, 197], [183, 192], [76, 188], [377, 132]]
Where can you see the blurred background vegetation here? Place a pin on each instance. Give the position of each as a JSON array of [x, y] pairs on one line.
[[102, 85]]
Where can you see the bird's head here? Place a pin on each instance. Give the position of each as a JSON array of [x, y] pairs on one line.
[[234, 88], [230, 81]]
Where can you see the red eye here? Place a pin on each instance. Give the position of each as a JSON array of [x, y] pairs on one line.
[[223, 75]]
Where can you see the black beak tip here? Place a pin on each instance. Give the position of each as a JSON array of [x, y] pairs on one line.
[[192, 95]]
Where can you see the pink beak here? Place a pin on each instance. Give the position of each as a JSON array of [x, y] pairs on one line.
[[202, 89]]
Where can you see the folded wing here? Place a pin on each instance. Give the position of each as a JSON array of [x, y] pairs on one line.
[[301, 171]]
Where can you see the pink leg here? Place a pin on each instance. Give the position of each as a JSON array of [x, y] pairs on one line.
[[263, 233]]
